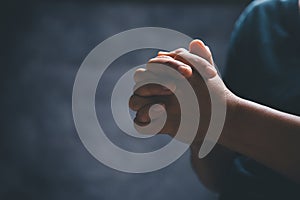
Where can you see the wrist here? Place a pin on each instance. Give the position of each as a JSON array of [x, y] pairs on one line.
[[233, 118]]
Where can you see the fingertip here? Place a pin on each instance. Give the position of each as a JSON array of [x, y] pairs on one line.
[[186, 71], [196, 44], [198, 48], [156, 111], [137, 73], [199, 42], [139, 123], [142, 117], [208, 49], [164, 53], [158, 107]]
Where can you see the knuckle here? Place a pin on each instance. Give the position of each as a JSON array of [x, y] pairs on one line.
[[169, 62], [133, 103], [181, 54], [138, 74], [139, 71], [142, 115], [179, 50]]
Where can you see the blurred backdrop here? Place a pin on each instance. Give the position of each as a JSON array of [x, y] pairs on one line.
[[43, 45]]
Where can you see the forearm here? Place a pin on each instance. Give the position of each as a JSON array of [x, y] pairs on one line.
[[213, 169], [268, 136]]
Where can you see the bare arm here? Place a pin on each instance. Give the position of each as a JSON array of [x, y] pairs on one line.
[[213, 170], [264, 134], [268, 136]]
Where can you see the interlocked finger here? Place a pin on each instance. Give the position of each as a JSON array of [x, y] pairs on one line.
[[137, 102]]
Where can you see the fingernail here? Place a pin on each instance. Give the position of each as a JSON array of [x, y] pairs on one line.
[[181, 69], [163, 56], [163, 52], [200, 42], [170, 54]]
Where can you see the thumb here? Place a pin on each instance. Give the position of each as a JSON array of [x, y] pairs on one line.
[[198, 48]]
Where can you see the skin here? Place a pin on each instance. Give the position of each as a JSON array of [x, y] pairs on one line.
[[266, 135]]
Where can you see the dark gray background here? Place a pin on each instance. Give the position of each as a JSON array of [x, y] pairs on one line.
[[43, 45]]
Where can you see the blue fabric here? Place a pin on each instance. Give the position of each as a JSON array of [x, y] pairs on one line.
[[263, 65]]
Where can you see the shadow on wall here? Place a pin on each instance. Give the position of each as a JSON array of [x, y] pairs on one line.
[[41, 154]]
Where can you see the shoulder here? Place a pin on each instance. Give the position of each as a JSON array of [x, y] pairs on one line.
[[258, 17], [259, 9]]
